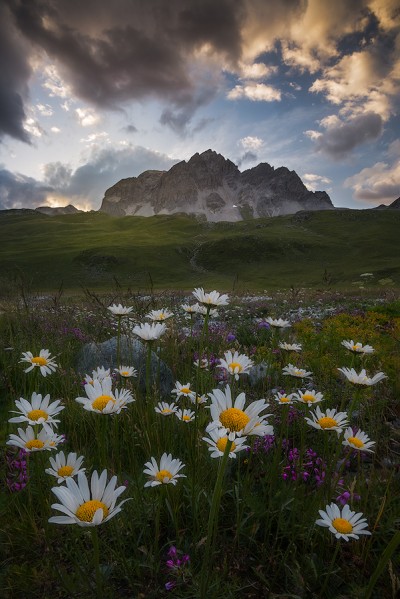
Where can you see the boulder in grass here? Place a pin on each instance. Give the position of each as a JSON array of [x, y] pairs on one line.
[[132, 353]]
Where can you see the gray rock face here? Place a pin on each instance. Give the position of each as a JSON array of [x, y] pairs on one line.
[[133, 353], [211, 186]]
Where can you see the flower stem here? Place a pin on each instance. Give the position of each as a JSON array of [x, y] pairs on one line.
[[148, 370], [96, 559], [213, 521], [118, 364], [328, 576]]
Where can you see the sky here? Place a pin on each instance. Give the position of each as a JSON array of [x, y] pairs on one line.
[[95, 91]]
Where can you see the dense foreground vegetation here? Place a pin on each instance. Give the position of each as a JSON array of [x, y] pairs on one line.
[[232, 527], [170, 252]]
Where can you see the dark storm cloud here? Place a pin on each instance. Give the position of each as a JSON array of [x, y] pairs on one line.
[[18, 191], [14, 74], [111, 53], [339, 139]]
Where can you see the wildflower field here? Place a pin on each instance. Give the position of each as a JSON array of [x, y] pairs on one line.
[[201, 445]]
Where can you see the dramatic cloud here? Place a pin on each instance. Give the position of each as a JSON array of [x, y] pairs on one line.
[[257, 92], [377, 184], [251, 143], [18, 191], [314, 182], [83, 187], [105, 167], [339, 137], [14, 75]]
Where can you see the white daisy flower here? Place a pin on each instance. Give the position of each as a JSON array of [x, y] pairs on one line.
[[212, 299], [284, 398], [166, 409], [166, 473], [43, 361], [84, 506], [331, 420], [190, 309], [149, 332], [159, 315], [295, 371], [359, 441], [64, 467], [362, 378], [278, 323], [308, 397], [235, 364], [183, 391], [218, 443], [30, 441], [185, 415], [99, 374], [199, 399], [126, 371], [233, 418], [290, 346], [37, 411], [357, 348], [120, 310], [101, 399], [344, 524]]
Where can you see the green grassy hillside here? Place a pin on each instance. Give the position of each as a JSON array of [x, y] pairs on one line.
[[90, 249]]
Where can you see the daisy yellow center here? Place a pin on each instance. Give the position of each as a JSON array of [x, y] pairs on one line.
[[34, 444], [166, 411], [185, 390], [101, 402], [298, 372], [307, 397], [186, 418], [36, 414], [284, 399], [342, 525], [163, 474], [39, 361], [233, 419], [125, 373], [221, 444], [356, 442], [87, 510], [356, 347], [161, 316], [234, 365], [327, 422], [65, 471]]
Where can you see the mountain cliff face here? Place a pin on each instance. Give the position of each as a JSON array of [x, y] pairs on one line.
[[213, 187]]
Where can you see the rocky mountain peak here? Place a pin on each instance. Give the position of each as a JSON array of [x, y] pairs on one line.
[[212, 186]]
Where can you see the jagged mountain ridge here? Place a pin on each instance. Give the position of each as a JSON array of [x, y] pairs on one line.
[[211, 186]]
